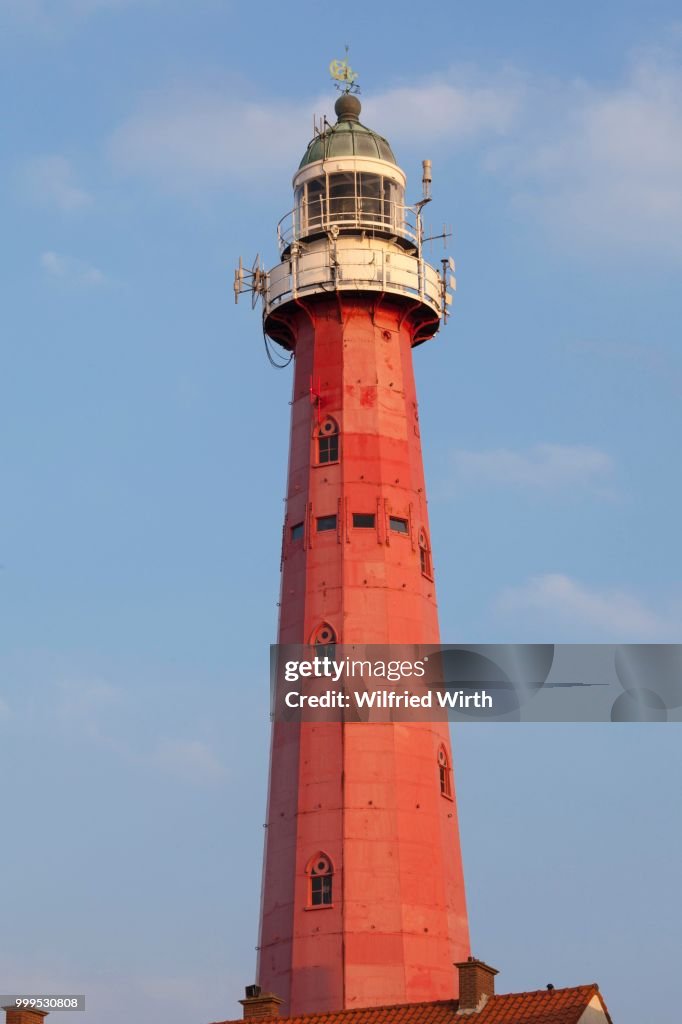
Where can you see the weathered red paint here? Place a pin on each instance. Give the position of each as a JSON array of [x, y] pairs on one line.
[[366, 795]]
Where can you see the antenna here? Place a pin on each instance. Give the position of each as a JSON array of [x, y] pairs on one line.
[[444, 234], [427, 178], [426, 196], [254, 281]]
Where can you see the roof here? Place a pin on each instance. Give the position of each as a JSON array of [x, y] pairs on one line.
[[347, 137], [546, 1006]]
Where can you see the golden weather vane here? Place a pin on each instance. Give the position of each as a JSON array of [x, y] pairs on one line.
[[342, 72]]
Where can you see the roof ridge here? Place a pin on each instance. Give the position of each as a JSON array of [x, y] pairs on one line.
[[543, 991]]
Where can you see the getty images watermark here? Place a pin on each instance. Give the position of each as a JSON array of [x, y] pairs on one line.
[[324, 667], [483, 682]]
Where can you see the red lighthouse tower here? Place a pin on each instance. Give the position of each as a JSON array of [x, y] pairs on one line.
[[363, 896]]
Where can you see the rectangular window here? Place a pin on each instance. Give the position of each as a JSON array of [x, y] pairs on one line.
[[399, 525], [326, 523], [328, 449], [297, 531], [321, 890], [364, 520]]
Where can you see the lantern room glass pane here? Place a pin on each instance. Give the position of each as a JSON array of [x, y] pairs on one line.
[[342, 196], [315, 197], [396, 196], [299, 213], [371, 204]]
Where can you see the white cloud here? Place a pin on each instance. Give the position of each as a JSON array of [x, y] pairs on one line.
[[72, 271], [50, 180], [192, 760], [456, 107], [190, 138], [542, 466], [615, 615], [604, 165]]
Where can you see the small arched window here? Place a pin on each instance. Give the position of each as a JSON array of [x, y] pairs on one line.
[[324, 640], [425, 555], [444, 773], [320, 878], [327, 442]]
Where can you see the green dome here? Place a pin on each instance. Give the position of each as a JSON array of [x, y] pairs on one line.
[[347, 137]]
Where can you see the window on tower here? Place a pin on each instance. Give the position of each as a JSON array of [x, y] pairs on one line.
[[324, 640], [364, 520], [445, 773], [398, 525], [297, 532], [325, 523], [425, 555], [328, 442], [320, 878]]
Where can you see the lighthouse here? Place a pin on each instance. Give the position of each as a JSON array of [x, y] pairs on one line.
[[363, 900]]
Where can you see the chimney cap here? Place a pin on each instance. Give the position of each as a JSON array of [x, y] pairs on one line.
[[32, 1010], [472, 961], [261, 1004]]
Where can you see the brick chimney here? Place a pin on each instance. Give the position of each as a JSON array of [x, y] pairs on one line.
[[258, 1004], [13, 1015], [476, 985]]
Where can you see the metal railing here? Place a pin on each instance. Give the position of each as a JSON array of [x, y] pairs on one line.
[[328, 268], [376, 216]]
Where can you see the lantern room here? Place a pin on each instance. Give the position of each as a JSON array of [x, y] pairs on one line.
[[349, 182]]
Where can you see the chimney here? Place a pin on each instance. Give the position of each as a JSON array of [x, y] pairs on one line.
[[258, 1004], [476, 985], [15, 1015]]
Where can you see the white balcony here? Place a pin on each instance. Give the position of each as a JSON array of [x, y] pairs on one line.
[[350, 263]]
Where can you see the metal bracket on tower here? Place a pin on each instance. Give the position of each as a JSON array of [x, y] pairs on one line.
[[254, 280], [447, 281]]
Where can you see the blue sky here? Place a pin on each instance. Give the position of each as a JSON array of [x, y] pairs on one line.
[[147, 145]]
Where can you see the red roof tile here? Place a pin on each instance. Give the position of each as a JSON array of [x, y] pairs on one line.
[[546, 1006]]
